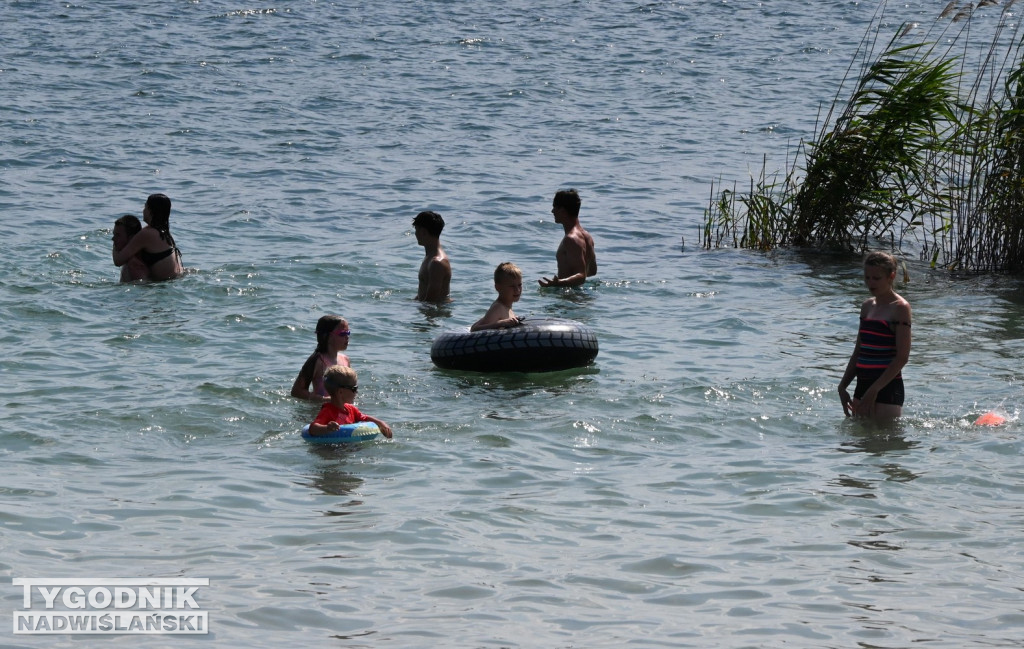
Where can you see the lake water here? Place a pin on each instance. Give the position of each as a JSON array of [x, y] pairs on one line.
[[698, 486]]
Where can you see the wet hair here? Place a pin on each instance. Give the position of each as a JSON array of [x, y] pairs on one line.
[[160, 218], [506, 269], [882, 260], [569, 200], [160, 210], [130, 223], [324, 326], [339, 376], [429, 221]]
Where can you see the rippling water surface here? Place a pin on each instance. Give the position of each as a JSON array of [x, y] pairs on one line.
[[697, 486]]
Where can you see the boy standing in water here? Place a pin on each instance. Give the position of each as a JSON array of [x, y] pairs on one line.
[[576, 258], [883, 346], [436, 270], [508, 282], [125, 228]]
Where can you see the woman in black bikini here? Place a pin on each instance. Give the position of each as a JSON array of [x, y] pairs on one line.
[[154, 245]]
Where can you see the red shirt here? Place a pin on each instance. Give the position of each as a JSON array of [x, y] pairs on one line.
[[347, 415]]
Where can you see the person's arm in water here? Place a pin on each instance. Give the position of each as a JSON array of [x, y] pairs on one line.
[[323, 429], [497, 317], [384, 428], [136, 244], [848, 376], [851, 368], [305, 379], [572, 265], [133, 269], [504, 323]]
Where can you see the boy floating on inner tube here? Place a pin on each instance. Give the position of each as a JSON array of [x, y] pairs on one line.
[[508, 282], [341, 383]]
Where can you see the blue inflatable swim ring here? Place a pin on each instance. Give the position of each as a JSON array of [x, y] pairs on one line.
[[347, 434]]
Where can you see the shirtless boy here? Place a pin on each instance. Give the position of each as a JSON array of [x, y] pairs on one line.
[[435, 271], [576, 258], [508, 282]]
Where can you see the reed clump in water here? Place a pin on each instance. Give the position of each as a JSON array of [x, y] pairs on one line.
[[927, 153]]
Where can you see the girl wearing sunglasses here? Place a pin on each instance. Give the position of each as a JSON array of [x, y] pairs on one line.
[[332, 334]]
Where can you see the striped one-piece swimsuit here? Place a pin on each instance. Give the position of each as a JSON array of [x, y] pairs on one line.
[[877, 351]]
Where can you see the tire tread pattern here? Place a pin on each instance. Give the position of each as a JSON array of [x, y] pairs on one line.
[[537, 345]]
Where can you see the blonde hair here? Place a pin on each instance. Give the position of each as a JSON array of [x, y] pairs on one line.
[[882, 260], [506, 269], [339, 376]]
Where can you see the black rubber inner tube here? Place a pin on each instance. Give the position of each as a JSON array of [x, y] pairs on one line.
[[536, 345]]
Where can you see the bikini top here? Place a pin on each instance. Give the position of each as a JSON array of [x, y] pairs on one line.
[[318, 383], [150, 258]]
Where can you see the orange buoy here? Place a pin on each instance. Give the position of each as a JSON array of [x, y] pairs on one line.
[[990, 419]]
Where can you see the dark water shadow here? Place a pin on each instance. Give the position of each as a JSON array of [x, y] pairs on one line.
[[435, 313], [876, 438], [565, 302], [877, 444], [329, 476], [879, 440], [516, 384]]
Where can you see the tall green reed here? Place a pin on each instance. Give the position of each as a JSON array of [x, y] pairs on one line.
[[926, 154]]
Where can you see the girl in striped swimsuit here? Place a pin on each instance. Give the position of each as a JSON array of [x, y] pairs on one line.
[[883, 346]]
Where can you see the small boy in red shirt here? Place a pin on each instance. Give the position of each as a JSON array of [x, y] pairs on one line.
[[341, 385]]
